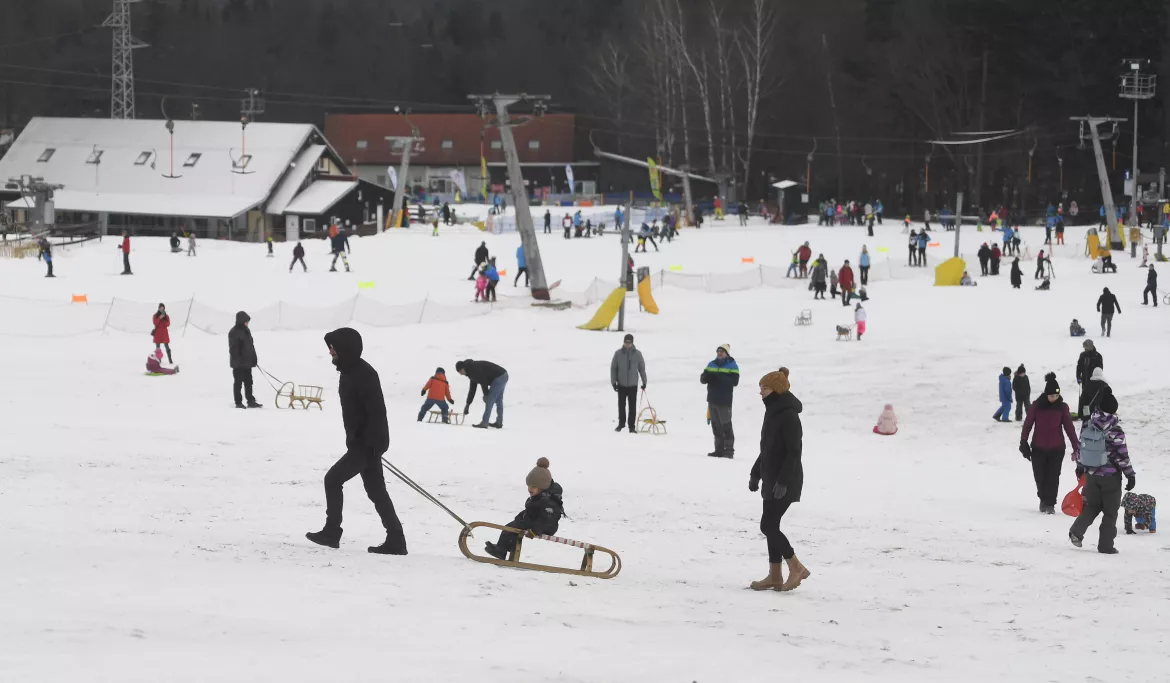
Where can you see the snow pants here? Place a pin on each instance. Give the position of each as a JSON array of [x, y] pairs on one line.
[[1107, 324], [126, 263], [1005, 411], [1022, 403], [242, 378], [294, 262], [523, 271], [864, 275], [1046, 466], [369, 466], [431, 403], [722, 430], [1150, 290], [495, 396], [1102, 497], [508, 539], [628, 396], [779, 549]]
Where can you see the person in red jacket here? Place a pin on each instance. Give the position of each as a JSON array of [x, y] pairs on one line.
[[804, 253], [845, 280], [162, 331], [438, 393], [125, 253]]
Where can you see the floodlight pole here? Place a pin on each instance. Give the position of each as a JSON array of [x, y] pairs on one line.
[[625, 277]]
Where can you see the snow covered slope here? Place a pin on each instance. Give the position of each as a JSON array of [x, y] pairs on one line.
[[152, 532]]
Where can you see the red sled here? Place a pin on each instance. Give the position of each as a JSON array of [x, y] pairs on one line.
[[1074, 501]]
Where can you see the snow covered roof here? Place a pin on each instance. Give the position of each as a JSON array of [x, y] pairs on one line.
[[119, 166], [320, 197], [295, 178]]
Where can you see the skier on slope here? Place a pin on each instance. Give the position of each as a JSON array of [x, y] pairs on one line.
[[340, 243], [367, 438], [298, 255]]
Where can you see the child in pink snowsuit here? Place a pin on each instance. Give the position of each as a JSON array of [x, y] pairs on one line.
[[481, 284], [154, 364], [887, 423]]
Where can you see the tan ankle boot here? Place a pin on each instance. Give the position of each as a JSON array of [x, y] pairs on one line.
[[797, 572], [773, 581]]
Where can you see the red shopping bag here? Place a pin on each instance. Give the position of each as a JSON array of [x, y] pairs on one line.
[[1074, 501]]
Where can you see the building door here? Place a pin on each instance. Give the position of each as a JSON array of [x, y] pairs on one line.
[[292, 228]]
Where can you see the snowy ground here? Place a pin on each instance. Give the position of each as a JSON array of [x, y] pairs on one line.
[[152, 532]]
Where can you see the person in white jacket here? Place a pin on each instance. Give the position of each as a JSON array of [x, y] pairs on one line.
[[887, 424], [859, 317]]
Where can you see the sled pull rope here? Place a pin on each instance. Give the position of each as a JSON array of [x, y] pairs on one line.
[[424, 493], [267, 375]]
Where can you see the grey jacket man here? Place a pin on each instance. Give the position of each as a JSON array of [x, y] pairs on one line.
[[627, 366]]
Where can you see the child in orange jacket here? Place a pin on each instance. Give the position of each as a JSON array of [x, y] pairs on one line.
[[438, 393]]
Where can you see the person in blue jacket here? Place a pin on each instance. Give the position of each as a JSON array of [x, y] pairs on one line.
[[493, 277], [923, 240], [1008, 234], [863, 265], [878, 210], [522, 265], [721, 377], [1101, 226], [1004, 414]]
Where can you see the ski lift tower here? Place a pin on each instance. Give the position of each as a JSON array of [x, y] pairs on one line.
[[1090, 123], [1136, 86]]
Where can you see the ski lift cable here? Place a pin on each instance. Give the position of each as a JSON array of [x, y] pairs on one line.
[[978, 141]]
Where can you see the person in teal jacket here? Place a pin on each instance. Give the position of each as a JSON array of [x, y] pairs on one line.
[[522, 266], [863, 265], [1004, 414], [493, 277]]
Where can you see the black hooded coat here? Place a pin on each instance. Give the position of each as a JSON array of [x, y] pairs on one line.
[[363, 408]]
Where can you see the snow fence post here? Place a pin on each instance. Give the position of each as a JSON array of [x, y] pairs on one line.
[[423, 311], [106, 322], [353, 309], [188, 319]]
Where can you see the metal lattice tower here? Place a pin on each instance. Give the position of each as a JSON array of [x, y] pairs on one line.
[[122, 68]]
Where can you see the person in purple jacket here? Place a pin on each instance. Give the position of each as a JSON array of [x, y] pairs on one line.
[[1050, 415], [1103, 483]]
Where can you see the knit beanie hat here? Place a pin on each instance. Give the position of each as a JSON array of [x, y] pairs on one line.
[[776, 381], [1020, 370], [629, 338], [726, 348], [1007, 372], [440, 371], [539, 477], [1109, 403], [1051, 387]]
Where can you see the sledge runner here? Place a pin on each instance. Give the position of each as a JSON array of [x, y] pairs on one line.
[[438, 393], [542, 511], [367, 438], [154, 364], [161, 335]]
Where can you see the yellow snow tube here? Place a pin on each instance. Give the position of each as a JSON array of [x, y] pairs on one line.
[[609, 309]]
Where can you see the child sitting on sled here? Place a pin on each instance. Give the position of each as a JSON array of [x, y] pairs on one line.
[[155, 367], [887, 424], [542, 511], [1140, 508], [1075, 329]]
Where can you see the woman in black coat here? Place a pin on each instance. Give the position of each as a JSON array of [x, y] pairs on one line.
[[1017, 274], [779, 468]]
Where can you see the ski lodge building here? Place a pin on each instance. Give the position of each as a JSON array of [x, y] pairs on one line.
[[217, 178]]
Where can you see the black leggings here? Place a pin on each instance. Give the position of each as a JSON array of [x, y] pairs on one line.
[[779, 549], [523, 271]]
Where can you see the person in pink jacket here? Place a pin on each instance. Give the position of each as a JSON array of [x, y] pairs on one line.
[[154, 364], [887, 424]]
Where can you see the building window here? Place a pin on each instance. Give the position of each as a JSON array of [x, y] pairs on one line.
[[534, 144], [95, 157], [46, 155], [448, 144], [362, 144], [496, 144], [310, 225], [192, 160], [242, 162], [143, 158]]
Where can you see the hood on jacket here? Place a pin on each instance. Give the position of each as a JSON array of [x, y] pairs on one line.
[[347, 342], [242, 317], [785, 401], [1103, 421]]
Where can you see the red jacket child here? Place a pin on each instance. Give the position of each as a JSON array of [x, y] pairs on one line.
[[438, 389]]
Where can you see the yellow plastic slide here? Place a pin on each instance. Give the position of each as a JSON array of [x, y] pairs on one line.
[[648, 302], [609, 309]]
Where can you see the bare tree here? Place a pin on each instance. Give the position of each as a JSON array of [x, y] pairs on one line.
[[609, 80], [756, 52], [696, 61], [727, 82]]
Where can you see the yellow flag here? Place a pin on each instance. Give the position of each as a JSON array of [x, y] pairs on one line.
[[655, 179]]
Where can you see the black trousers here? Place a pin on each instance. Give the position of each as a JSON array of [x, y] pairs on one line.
[[1046, 471], [168, 348], [922, 256], [779, 549], [1149, 290], [1107, 324], [490, 294], [627, 395], [49, 263], [1039, 271], [125, 263], [913, 254], [242, 377], [1102, 497], [507, 539], [864, 275], [369, 467], [983, 266], [523, 271], [1022, 404], [294, 262], [547, 229]]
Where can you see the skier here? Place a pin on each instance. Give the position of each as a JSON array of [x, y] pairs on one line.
[[191, 243], [298, 255], [845, 278], [863, 265], [494, 380], [522, 266], [721, 377], [1022, 388], [1049, 414], [913, 245], [542, 511], [367, 437], [46, 253], [125, 248], [779, 469], [567, 224], [154, 364], [625, 369], [493, 277], [161, 334], [481, 256], [1106, 304], [887, 424], [923, 240], [340, 247], [1103, 457], [805, 253], [996, 255], [1151, 287], [1004, 414], [175, 243], [1017, 274], [859, 318], [984, 254], [242, 356], [547, 222], [438, 393]]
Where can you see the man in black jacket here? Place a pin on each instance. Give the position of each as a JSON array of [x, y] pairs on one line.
[[1106, 305], [242, 354], [1023, 391], [1151, 287], [493, 379], [481, 255], [367, 437]]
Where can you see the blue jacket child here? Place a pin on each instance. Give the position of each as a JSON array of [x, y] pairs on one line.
[[1005, 397], [521, 262]]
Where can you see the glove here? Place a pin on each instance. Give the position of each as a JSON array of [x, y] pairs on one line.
[[451, 401], [615, 386], [1025, 450], [778, 491], [423, 392], [643, 387], [753, 484], [1130, 482]]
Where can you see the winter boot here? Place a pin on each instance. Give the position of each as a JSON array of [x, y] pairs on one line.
[[495, 551], [620, 428], [325, 537], [241, 406], [498, 424], [254, 404], [1076, 540], [633, 430], [773, 581], [395, 544], [1107, 551], [1042, 506], [1050, 509], [481, 425], [797, 572]]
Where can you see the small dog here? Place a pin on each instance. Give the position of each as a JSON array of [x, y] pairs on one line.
[[1139, 508], [845, 333]]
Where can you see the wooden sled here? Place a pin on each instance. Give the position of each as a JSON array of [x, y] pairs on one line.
[[651, 424], [437, 416], [805, 318], [305, 395], [513, 560]]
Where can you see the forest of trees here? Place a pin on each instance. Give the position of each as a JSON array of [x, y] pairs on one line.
[[747, 88]]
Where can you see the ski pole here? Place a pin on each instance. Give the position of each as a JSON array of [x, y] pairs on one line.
[[423, 492]]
